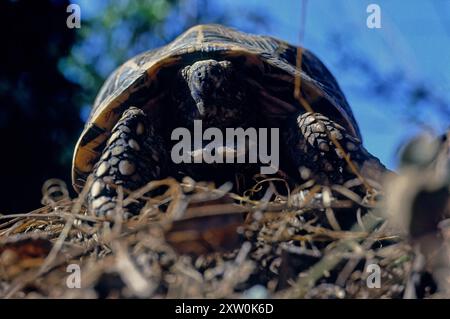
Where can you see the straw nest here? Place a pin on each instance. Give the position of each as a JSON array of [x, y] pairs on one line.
[[196, 240]]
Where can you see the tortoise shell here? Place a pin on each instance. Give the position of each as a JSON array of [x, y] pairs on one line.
[[268, 64]]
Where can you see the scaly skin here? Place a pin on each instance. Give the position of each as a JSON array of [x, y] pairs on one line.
[[133, 156], [313, 152]]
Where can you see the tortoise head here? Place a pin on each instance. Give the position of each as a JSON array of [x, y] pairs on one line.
[[212, 92]]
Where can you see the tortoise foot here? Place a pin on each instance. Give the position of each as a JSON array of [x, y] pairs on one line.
[[323, 149], [133, 156]]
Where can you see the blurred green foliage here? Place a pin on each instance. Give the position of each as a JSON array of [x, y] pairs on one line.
[[113, 31], [50, 75]]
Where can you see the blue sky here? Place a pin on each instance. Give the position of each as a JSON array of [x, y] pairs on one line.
[[414, 40]]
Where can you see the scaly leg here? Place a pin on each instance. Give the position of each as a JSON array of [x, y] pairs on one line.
[[312, 150], [134, 155]]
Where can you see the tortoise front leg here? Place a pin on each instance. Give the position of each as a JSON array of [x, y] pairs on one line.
[[133, 156], [310, 136]]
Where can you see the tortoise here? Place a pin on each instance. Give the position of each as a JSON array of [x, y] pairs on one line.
[[225, 78]]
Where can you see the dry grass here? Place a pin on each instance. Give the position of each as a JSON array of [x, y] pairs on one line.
[[196, 240]]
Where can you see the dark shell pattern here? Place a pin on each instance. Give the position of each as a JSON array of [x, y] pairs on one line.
[[274, 59]]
